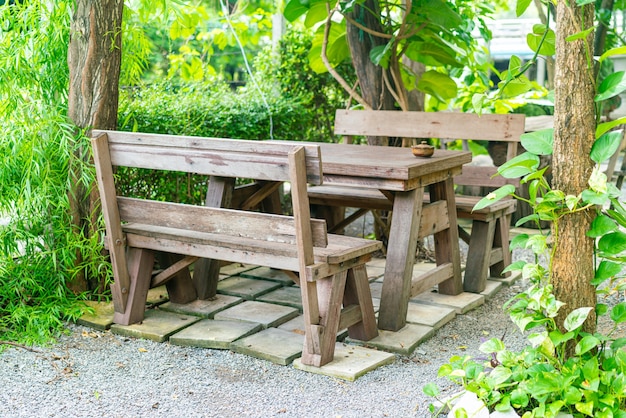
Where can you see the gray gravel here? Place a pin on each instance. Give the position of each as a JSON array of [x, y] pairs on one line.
[[91, 373]]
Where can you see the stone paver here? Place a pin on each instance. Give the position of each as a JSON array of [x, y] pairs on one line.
[[209, 333], [404, 341], [350, 362], [266, 314], [102, 317], [429, 315], [287, 296], [267, 273], [491, 289], [203, 308], [462, 303], [157, 325], [272, 344], [246, 287]]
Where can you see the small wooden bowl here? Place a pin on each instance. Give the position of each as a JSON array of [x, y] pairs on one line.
[[423, 150]]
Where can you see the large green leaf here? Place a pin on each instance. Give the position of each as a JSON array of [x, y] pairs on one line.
[[380, 54], [601, 225], [521, 7], [611, 86], [618, 313], [539, 142], [576, 318], [613, 51], [294, 9], [438, 85], [605, 146], [542, 40], [515, 87], [433, 54], [317, 13], [519, 166], [606, 269], [607, 126], [613, 243], [493, 197]]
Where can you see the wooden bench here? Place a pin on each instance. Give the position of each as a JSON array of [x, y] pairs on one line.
[[488, 242], [331, 268]]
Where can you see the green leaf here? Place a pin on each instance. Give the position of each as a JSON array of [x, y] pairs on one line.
[[618, 343], [317, 13], [587, 343], [611, 52], [613, 243], [541, 42], [611, 86], [519, 166], [559, 338], [533, 217], [618, 313], [601, 225], [607, 126], [576, 318], [518, 241], [294, 9], [437, 85], [493, 345], [585, 408], [494, 196], [580, 35], [521, 6], [431, 389], [518, 265], [604, 147], [606, 269], [380, 54], [539, 142], [499, 375], [594, 198], [515, 87]]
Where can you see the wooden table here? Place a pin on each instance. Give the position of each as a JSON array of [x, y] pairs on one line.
[[403, 177], [397, 172]]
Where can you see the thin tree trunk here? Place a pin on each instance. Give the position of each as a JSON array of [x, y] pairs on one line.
[[94, 60], [574, 128], [370, 76]]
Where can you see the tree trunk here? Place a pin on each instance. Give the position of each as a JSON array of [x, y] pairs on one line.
[[370, 76], [574, 129], [94, 59]]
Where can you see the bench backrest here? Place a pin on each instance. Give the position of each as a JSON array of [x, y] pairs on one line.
[[443, 125], [297, 163]]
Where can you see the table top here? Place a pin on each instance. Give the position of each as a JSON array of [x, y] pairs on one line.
[[382, 163]]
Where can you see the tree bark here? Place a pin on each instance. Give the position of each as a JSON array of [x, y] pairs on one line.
[[94, 59], [370, 76], [574, 134]]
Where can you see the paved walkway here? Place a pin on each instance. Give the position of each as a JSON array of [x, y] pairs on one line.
[[258, 312]]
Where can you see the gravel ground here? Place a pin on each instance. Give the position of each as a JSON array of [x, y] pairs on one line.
[[91, 373]]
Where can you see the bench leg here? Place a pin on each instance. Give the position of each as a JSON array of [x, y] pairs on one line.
[[140, 264], [180, 288], [319, 346], [479, 256], [358, 293], [501, 240]]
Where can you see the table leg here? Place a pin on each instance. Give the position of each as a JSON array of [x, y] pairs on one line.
[[206, 271], [407, 212], [447, 241]]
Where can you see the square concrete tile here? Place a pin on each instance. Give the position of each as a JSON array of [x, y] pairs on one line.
[[235, 268], [377, 289], [286, 296], [101, 318], [349, 363], [296, 325], [209, 333], [203, 308], [266, 314], [461, 303], [245, 287], [429, 315], [508, 281], [272, 344], [157, 325], [268, 273], [403, 341], [157, 296], [492, 287]]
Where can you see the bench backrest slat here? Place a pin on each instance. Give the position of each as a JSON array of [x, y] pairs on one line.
[[443, 125], [221, 221], [261, 160]]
